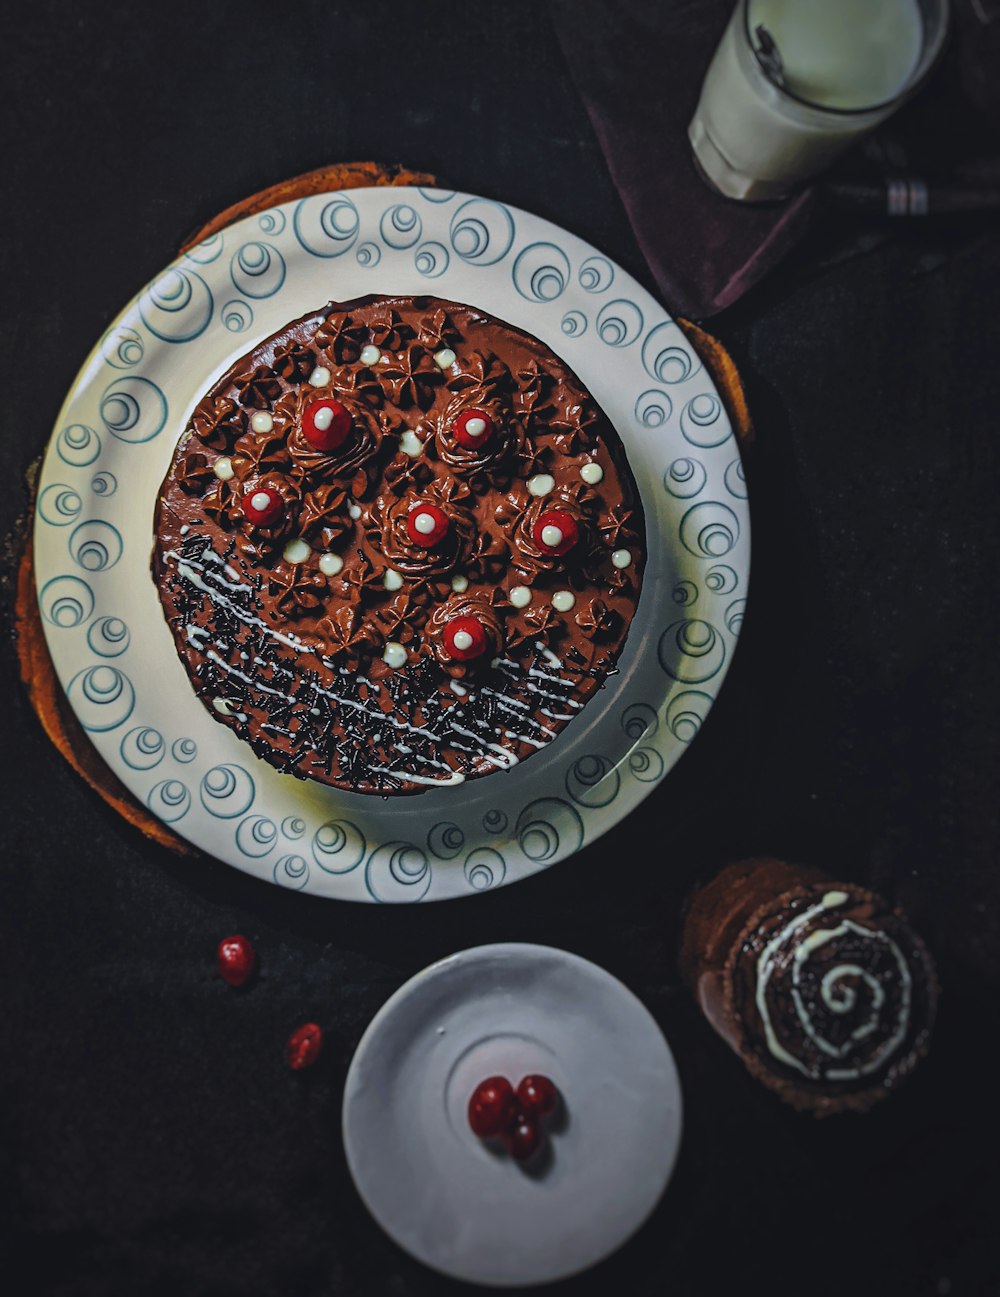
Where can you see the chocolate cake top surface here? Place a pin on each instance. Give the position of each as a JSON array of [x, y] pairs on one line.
[[398, 546]]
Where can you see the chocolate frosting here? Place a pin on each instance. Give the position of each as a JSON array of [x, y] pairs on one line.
[[319, 639]]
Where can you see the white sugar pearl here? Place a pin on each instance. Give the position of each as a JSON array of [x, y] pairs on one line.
[[520, 596], [460, 584], [552, 536], [370, 355], [563, 600], [621, 558], [392, 580], [260, 500], [261, 421], [424, 523], [541, 484], [319, 377], [394, 655], [592, 474], [445, 358], [331, 564], [223, 706], [410, 444], [475, 426], [355, 511], [223, 468], [323, 418], [462, 640], [296, 551]]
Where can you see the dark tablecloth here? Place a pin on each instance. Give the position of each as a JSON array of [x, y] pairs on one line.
[[151, 1139]]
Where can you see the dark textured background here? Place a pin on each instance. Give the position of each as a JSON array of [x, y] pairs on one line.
[[151, 1139]]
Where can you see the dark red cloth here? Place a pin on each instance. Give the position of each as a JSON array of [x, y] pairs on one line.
[[639, 65]]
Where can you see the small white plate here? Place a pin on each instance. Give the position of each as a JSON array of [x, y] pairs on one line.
[[114, 654], [447, 1197]]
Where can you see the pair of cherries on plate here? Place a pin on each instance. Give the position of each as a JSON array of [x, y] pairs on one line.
[[499, 1111]]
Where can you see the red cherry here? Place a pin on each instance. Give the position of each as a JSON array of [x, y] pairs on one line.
[[426, 524], [262, 505], [465, 639], [492, 1107], [523, 1137], [326, 424], [236, 959], [304, 1046], [555, 532], [537, 1095], [473, 429]]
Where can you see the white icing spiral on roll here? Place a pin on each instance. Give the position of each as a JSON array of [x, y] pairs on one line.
[[876, 994]]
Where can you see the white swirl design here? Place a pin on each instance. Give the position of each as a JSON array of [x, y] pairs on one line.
[[666, 355], [685, 477], [400, 226], [639, 720], [184, 750], [133, 409], [293, 827], [292, 871], [445, 841], [102, 698], [431, 259], [484, 868], [227, 791], [549, 827], [95, 546], [592, 781], [177, 307], [326, 226], [66, 601], [735, 479], [709, 530], [481, 232], [596, 274], [619, 323], [256, 835], [108, 637], [257, 269], [59, 505], [398, 872], [338, 846], [78, 445], [169, 800], [368, 255], [691, 651], [143, 748], [541, 272], [703, 422], [686, 713], [123, 347], [823, 1011], [104, 483], [207, 251], [574, 324], [237, 316]]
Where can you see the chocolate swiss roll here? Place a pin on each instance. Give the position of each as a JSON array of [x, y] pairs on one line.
[[821, 987]]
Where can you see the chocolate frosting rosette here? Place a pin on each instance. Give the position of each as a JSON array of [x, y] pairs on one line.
[[391, 531], [457, 610]]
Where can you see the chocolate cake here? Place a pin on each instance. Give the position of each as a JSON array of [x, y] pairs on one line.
[[398, 546], [822, 988]]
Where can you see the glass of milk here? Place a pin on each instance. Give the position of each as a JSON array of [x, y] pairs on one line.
[[794, 82]]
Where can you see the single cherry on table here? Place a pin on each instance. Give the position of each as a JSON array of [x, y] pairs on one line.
[[235, 959]]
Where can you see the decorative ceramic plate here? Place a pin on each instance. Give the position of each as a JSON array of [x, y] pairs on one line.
[[511, 1010], [113, 442]]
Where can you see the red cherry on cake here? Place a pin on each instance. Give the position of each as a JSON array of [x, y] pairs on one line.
[[473, 429], [523, 1137], [427, 525], [326, 424], [537, 1095], [492, 1107], [235, 959], [465, 639], [555, 532], [263, 506]]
